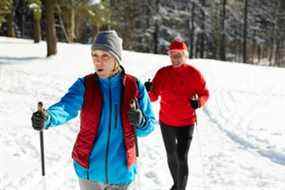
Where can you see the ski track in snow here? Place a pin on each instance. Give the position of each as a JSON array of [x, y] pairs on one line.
[[256, 143], [234, 146]]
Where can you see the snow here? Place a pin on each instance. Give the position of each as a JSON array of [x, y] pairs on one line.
[[96, 1], [237, 144], [33, 6]]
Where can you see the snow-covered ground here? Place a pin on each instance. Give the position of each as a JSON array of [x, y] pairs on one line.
[[238, 145]]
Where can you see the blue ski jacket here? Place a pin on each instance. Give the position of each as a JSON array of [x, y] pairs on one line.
[[102, 169]]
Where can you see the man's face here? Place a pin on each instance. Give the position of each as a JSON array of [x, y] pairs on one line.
[[177, 57], [104, 63]]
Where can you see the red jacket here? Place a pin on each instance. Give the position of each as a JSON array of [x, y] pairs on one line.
[[90, 118], [176, 86]]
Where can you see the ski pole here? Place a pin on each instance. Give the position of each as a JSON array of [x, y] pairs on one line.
[[40, 109], [199, 145], [134, 105]]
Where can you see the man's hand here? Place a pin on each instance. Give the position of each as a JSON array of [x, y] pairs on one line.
[[148, 85], [194, 103]]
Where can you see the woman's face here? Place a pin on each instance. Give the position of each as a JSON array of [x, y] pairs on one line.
[[104, 63]]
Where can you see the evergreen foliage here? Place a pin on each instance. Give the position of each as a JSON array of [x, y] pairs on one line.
[[214, 29]]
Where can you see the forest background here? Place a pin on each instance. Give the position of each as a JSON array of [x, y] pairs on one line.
[[249, 31]]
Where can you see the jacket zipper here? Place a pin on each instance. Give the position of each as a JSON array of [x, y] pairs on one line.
[[116, 116], [108, 140]]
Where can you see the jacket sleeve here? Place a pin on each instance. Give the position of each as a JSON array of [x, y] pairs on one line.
[[202, 90], [147, 110], [68, 106]]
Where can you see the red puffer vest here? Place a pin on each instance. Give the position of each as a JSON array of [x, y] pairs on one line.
[[90, 119]]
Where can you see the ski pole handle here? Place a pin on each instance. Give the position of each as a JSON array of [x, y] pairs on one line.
[[133, 104], [40, 107]]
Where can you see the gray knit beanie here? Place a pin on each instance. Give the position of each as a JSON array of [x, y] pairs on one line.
[[109, 41]]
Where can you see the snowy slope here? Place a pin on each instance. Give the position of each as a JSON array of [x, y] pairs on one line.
[[238, 144]]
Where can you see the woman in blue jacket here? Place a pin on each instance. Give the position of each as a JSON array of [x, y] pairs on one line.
[[115, 109]]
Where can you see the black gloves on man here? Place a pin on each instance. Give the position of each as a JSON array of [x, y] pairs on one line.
[[38, 119], [148, 85], [194, 103]]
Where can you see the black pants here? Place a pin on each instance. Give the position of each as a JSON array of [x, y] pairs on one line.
[[177, 142]]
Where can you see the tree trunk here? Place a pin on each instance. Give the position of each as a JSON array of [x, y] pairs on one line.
[[156, 28], [11, 31], [223, 43], [258, 54], [37, 29], [80, 20], [22, 20], [245, 32], [274, 40], [237, 51], [155, 38], [61, 22], [280, 44], [127, 31], [95, 30], [277, 56], [214, 45], [192, 32], [51, 32], [270, 57], [69, 15], [202, 35]]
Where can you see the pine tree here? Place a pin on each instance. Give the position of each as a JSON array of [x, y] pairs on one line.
[[223, 32], [5, 8], [245, 31], [35, 5], [7, 13], [50, 27]]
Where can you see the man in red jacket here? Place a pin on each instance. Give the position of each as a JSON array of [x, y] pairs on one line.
[[182, 89]]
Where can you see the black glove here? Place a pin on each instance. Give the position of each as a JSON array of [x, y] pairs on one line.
[[148, 85], [194, 104], [136, 117], [38, 119]]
